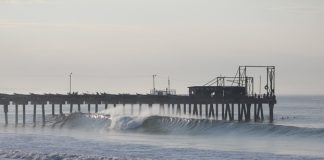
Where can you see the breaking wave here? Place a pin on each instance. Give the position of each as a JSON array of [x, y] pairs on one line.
[[173, 125]]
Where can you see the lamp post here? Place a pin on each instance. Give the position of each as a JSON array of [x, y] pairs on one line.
[[70, 82], [154, 75]]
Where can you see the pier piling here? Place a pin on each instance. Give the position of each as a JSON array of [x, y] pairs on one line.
[[140, 108], [34, 114], [232, 115], [161, 109], [206, 110], [223, 111], [178, 111], [79, 107], [43, 113], [271, 106], [211, 111], [168, 108], [248, 115], [150, 108], [216, 109], [195, 110], [132, 109], [239, 112], [5, 110], [53, 109], [16, 115], [24, 114], [71, 107], [61, 111]]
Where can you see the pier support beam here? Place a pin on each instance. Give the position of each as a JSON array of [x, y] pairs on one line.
[[216, 108], [96, 108], [79, 107], [16, 114], [245, 112], [178, 112], [223, 112], [271, 106], [150, 108], [168, 108], [161, 109], [71, 107], [124, 111], [259, 113], [229, 112], [260, 110], [34, 115], [132, 109], [89, 107], [211, 111], [43, 114], [206, 110], [232, 117], [255, 113], [200, 110], [239, 111], [61, 110], [53, 109], [5, 110], [248, 110], [24, 114], [195, 110]]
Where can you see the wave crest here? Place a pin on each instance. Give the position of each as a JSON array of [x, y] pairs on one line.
[[173, 125]]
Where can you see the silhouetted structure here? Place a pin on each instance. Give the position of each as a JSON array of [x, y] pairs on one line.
[[214, 96]]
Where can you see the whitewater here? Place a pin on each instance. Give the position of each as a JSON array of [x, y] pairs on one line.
[[297, 133]]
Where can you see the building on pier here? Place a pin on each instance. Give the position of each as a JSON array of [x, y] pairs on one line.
[[217, 91]]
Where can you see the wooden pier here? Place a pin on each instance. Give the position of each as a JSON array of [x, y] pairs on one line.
[[214, 100], [172, 105]]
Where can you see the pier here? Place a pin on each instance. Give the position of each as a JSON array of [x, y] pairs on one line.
[[214, 100]]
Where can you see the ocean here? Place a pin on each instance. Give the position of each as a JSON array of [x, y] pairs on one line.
[[297, 133]]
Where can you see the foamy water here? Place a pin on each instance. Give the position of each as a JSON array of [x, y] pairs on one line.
[[297, 133]]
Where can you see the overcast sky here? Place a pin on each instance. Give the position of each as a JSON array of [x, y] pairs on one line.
[[116, 46]]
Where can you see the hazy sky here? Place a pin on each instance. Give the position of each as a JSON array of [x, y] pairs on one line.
[[115, 46]]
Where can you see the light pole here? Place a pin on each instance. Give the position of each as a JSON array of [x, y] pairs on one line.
[[70, 82], [154, 75]]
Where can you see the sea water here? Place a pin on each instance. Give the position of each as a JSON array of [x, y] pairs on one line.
[[297, 133]]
